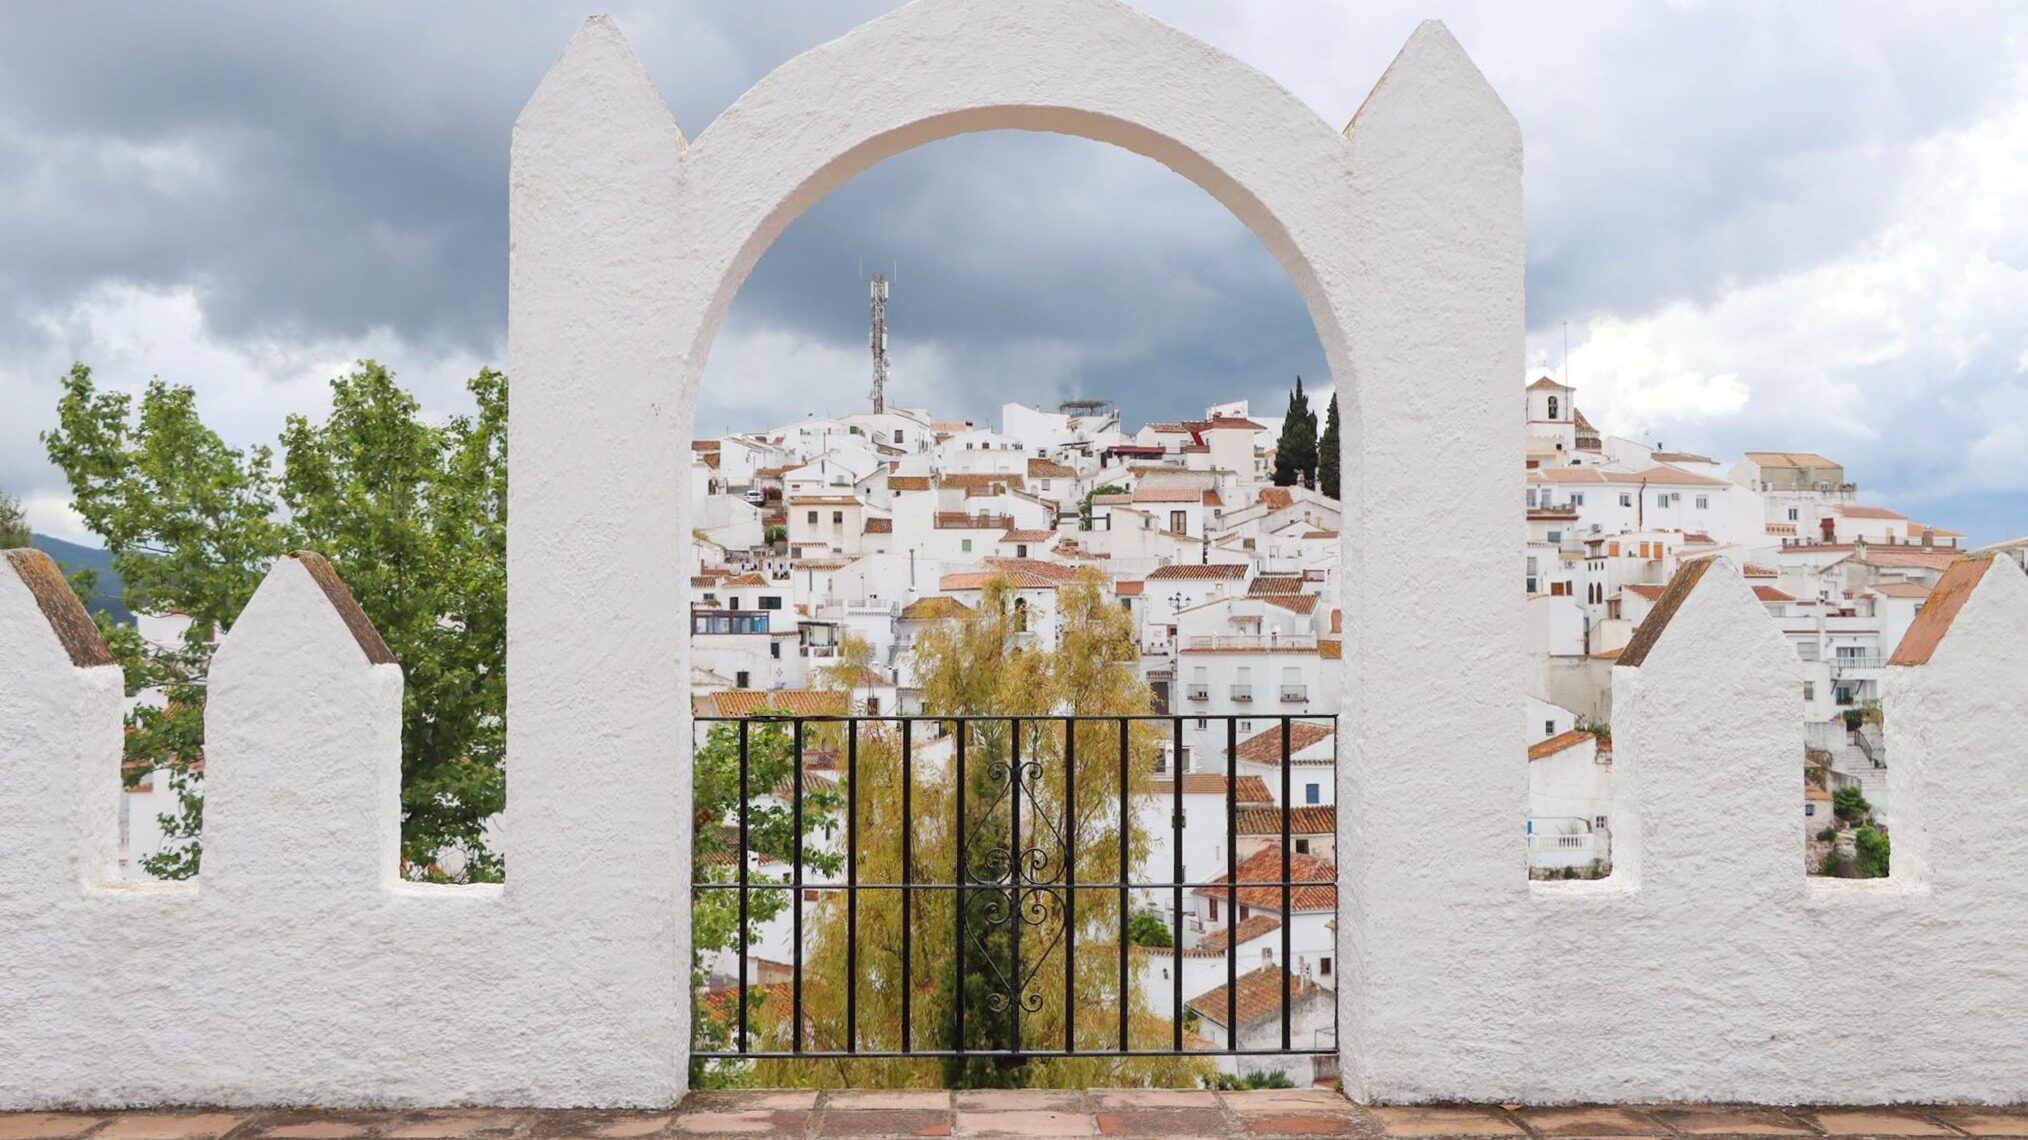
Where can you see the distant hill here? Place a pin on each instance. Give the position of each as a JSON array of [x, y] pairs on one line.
[[106, 592]]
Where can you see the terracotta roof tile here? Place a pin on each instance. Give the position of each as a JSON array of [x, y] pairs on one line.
[[1266, 747], [1251, 927], [795, 702], [1558, 743], [1259, 996], [1305, 820], [1249, 789], [1217, 571], [1316, 878]]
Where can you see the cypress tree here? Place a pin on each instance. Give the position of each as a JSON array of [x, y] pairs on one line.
[[1327, 451], [1296, 451]]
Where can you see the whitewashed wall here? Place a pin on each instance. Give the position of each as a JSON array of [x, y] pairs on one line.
[[1706, 968]]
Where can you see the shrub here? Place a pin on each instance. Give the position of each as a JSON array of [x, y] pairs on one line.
[[1829, 834], [1851, 805], [1871, 850]]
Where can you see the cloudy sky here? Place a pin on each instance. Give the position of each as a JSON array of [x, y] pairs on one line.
[[1763, 225]]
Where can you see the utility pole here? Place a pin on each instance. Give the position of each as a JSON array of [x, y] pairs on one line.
[[879, 342]]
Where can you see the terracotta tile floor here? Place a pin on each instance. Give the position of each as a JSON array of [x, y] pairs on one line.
[[1171, 1115]]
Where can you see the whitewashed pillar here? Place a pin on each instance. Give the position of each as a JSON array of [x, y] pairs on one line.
[[60, 707], [598, 787], [1432, 791], [302, 746], [1955, 712]]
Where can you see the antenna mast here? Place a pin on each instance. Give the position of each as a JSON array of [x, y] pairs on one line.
[[879, 343]]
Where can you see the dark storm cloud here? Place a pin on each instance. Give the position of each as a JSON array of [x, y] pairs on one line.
[[319, 174]]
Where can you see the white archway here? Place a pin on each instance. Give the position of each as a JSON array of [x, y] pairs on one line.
[[1403, 234]]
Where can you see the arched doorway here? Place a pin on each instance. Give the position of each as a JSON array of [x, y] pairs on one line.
[[1402, 234]]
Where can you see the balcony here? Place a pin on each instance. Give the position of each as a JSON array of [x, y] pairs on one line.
[[1295, 694], [1242, 693], [1236, 642], [1198, 692]]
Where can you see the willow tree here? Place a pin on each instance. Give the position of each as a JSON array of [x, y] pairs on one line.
[[1004, 980]]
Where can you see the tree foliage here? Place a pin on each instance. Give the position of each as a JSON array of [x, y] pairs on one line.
[[1296, 451], [413, 517], [1327, 451], [14, 530], [980, 665], [1850, 804]]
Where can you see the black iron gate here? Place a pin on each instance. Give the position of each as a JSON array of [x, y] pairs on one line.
[[1021, 853]]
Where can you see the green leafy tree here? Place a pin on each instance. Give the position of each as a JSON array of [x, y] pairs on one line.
[[412, 515], [14, 530], [1327, 451], [1296, 451], [1871, 850], [978, 664], [1146, 929], [1084, 506], [771, 835]]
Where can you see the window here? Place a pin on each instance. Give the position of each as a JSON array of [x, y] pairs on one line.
[[1020, 550], [1792, 514], [1245, 727], [837, 518], [1598, 821], [1214, 908], [1809, 809], [1703, 502], [965, 545], [1312, 794], [898, 436], [813, 518], [1021, 615], [1548, 728], [1324, 967], [1179, 522], [1809, 690], [1245, 912], [1626, 500], [1555, 536], [769, 601], [1662, 500], [775, 650], [740, 680], [1577, 499], [1302, 847], [1552, 407]]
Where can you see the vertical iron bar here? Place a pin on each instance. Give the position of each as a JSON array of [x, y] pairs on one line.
[[1288, 875], [852, 886], [1126, 831], [1232, 882], [796, 979], [1176, 879], [907, 876], [1070, 884], [1014, 878], [963, 729], [744, 949]]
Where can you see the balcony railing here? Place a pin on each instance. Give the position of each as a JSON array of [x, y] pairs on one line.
[[1295, 694], [1199, 692], [1238, 641], [999, 852], [1242, 692]]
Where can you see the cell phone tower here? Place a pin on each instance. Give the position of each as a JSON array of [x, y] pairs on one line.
[[879, 341]]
